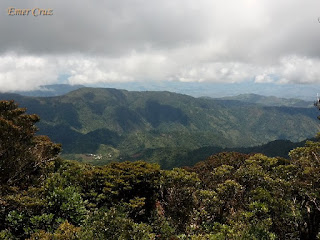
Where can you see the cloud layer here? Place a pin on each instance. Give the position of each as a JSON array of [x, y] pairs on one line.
[[175, 40]]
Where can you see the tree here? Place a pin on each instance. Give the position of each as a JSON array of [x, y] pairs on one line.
[[23, 155], [306, 188]]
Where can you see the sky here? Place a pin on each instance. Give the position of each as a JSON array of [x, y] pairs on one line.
[[119, 41]]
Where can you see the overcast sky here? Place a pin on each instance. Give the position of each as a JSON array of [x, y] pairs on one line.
[[96, 41]]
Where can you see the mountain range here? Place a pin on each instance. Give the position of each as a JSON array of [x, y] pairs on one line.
[[196, 89], [103, 124]]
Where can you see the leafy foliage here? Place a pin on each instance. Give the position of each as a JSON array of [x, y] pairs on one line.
[[228, 196], [22, 154]]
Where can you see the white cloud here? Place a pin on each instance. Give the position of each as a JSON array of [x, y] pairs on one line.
[[300, 69], [263, 78], [292, 69], [25, 72]]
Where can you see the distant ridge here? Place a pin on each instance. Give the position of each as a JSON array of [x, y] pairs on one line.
[[62, 89], [269, 100], [206, 89], [51, 90]]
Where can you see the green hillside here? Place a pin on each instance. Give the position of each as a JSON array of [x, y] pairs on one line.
[[117, 125]]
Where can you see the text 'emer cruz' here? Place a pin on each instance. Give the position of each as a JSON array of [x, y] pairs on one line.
[[25, 12]]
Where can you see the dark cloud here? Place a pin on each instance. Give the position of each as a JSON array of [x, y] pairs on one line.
[[108, 27], [183, 40]]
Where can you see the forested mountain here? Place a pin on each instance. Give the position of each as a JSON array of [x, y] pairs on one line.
[[113, 124]]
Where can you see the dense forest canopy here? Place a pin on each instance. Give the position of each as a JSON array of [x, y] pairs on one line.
[[227, 196]]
